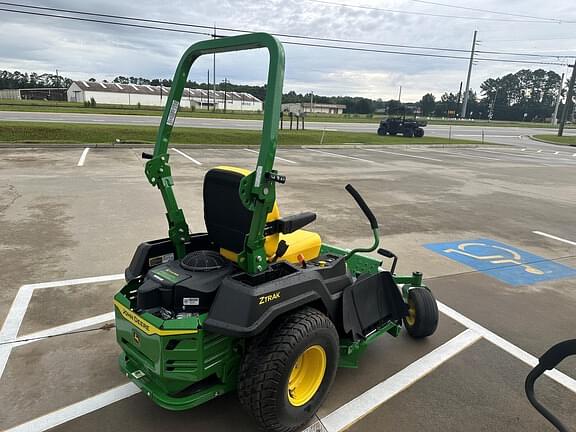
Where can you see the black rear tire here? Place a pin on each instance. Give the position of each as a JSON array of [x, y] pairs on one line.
[[422, 320], [419, 133], [382, 130], [265, 373]]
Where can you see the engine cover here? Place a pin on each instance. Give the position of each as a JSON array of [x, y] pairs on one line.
[[188, 285]]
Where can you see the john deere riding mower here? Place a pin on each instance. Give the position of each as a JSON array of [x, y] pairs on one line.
[[256, 303]]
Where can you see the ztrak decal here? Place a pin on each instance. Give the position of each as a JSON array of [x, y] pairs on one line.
[[268, 298]]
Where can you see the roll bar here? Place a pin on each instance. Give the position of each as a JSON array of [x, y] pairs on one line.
[[258, 189]]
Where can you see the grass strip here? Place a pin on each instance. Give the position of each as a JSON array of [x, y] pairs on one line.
[[39, 132]]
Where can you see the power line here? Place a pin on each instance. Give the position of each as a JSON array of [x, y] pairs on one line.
[[554, 20], [285, 42], [291, 36], [373, 8], [104, 22]]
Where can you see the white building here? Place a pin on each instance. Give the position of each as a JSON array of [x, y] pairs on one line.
[[307, 107], [132, 94]]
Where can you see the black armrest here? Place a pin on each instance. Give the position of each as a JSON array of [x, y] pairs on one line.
[[289, 224]]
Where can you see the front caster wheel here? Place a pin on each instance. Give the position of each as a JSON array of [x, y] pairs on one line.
[[422, 318]]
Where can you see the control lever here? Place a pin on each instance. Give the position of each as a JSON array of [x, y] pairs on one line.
[[370, 216], [549, 360], [147, 155], [280, 250], [388, 254]]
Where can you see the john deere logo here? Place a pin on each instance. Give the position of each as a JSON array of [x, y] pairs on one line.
[[136, 338]]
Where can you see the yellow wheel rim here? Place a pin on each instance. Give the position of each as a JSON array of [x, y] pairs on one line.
[[411, 318], [307, 375]]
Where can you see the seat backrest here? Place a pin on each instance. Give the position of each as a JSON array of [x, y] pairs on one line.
[[227, 220]]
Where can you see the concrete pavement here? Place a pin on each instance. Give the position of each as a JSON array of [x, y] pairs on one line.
[[61, 221]]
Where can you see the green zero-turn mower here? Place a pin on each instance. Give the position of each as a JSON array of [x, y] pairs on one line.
[[256, 304]]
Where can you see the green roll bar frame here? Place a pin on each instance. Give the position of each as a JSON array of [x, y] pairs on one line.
[[257, 190]]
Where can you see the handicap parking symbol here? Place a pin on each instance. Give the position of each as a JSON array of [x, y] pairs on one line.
[[506, 263]]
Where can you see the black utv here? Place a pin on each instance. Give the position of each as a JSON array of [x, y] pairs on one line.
[[399, 125]]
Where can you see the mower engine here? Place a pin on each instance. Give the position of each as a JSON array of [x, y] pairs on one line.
[[183, 288]]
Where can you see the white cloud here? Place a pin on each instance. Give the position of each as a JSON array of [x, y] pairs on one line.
[[82, 50]]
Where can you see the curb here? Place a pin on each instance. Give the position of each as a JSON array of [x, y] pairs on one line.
[[533, 138], [232, 146]]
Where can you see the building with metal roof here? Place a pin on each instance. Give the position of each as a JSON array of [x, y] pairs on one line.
[[133, 94], [307, 107]]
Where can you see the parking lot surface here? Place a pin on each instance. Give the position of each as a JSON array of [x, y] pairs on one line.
[[491, 229]]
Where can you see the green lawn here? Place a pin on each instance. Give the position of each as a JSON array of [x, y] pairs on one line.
[[555, 139], [75, 107], [28, 132]]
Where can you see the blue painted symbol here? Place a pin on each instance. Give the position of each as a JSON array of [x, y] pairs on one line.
[[503, 262]]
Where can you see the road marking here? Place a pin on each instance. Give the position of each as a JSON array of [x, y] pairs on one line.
[[181, 153], [277, 157], [362, 405], [488, 136], [402, 154], [78, 409], [506, 263], [13, 321], [341, 156], [83, 156], [462, 155], [555, 238], [520, 156], [529, 359], [391, 386]]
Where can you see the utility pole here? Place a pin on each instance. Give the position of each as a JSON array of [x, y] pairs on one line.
[[208, 91], [558, 97], [225, 82], [459, 96], [311, 101], [568, 105], [400, 94], [214, 73], [465, 103]]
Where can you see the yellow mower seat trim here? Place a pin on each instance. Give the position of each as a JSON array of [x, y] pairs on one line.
[[300, 242]]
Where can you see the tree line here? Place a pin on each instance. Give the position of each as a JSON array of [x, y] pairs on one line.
[[527, 95], [18, 80]]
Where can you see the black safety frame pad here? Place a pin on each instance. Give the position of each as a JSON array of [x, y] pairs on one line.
[[371, 300]]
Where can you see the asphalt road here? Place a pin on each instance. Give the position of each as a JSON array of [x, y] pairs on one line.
[[500, 135], [62, 220]]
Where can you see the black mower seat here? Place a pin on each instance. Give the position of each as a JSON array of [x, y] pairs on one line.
[[228, 221]]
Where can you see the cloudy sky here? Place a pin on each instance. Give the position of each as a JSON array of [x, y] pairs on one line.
[[82, 50]]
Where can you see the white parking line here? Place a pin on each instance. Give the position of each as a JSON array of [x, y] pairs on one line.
[[462, 155], [529, 359], [13, 321], [362, 405], [402, 154], [520, 156], [341, 156], [78, 409], [83, 156], [181, 153], [570, 242], [339, 419], [277, 157]]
